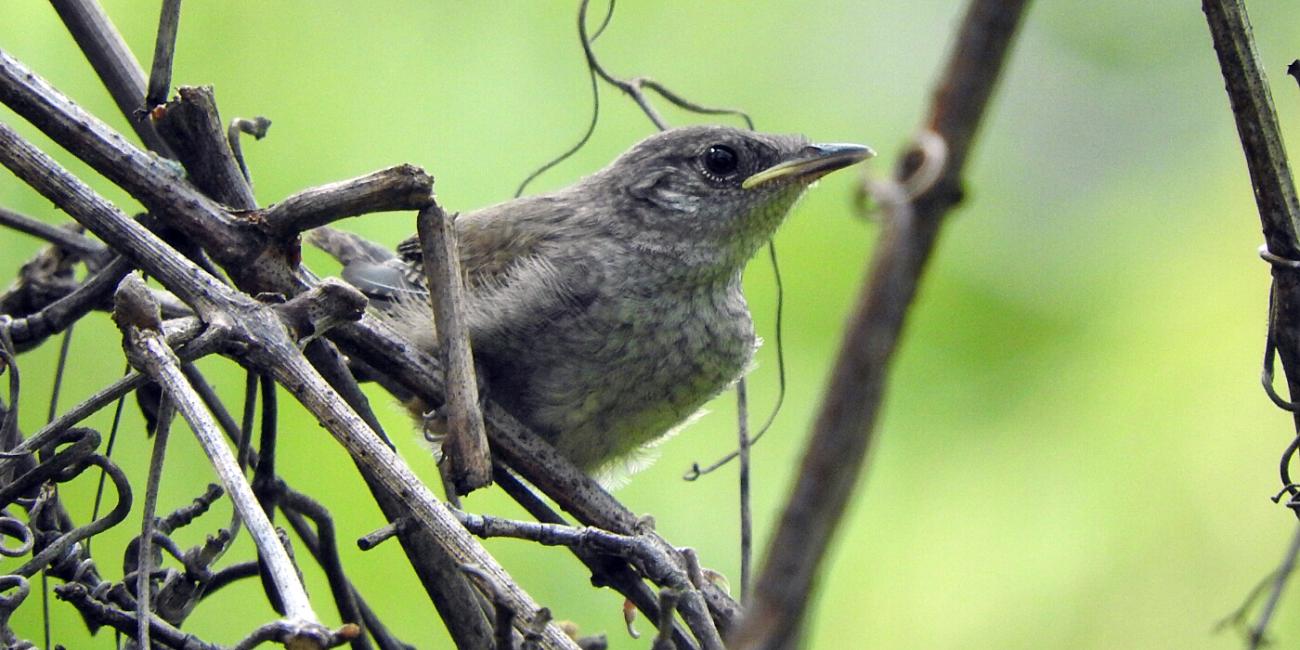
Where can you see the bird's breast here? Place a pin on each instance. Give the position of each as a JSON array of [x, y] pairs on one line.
[[604, 382]]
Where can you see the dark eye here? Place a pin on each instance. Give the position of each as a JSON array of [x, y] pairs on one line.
[[720, 160]]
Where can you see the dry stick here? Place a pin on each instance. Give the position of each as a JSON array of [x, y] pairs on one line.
[[144, 549], [151, 355], [61, 237], [113, 62], [840, 438], [30, 331], [1275, 197], [606, 570], [151, 181], [1270, 173], [466, 441], [160, 74], [297, 507], [198, 137], [200, 347], [1280, 576], [655, 562], [403, 187], [94, 609]]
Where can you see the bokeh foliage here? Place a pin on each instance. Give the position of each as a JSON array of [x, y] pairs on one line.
[[1075, 452]]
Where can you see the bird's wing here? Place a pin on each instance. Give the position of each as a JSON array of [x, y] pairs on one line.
[[520, 273], [494, 240], [374, 270]]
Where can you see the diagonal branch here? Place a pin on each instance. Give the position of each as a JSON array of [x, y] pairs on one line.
[[107, 52], [1279, 212], [842, 434], [149, 352]]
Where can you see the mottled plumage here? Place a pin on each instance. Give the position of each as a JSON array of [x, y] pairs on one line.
[[607, 312]]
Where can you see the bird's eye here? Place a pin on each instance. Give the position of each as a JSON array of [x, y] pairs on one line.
[[720, 160]]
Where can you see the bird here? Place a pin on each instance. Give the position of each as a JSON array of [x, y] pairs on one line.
[[606, 313]]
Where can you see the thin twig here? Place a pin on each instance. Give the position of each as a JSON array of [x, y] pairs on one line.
[[255, 127], [654, 562], [62, 237], [108, 53], [144, 550], [746, 520], [466, 440], [838, 445], [191, 126], [160, 73], [59, 315], [606, 570], [1280, 577]]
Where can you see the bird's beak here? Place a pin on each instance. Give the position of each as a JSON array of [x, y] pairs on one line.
[[813, 162]]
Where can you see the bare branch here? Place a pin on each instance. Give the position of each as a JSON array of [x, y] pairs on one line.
[[606, 570], [192, 127], [79, 596], [841, 436], [1275, 194], [466, 441], [655, 562], [30, 331], [107, 52], [62, 237], [144, 551], [150, 354], [404, 187], [1279, 212], [110, 224], [160, 73]]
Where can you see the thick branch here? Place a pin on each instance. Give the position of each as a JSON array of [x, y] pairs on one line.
[[841, 436]]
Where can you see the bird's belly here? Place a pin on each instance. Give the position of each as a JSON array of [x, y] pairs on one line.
[[604, 385]]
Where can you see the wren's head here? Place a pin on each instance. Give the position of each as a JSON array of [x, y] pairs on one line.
[[711, 195]]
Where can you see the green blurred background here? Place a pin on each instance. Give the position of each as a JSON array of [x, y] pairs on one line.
[[1075, 451]]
